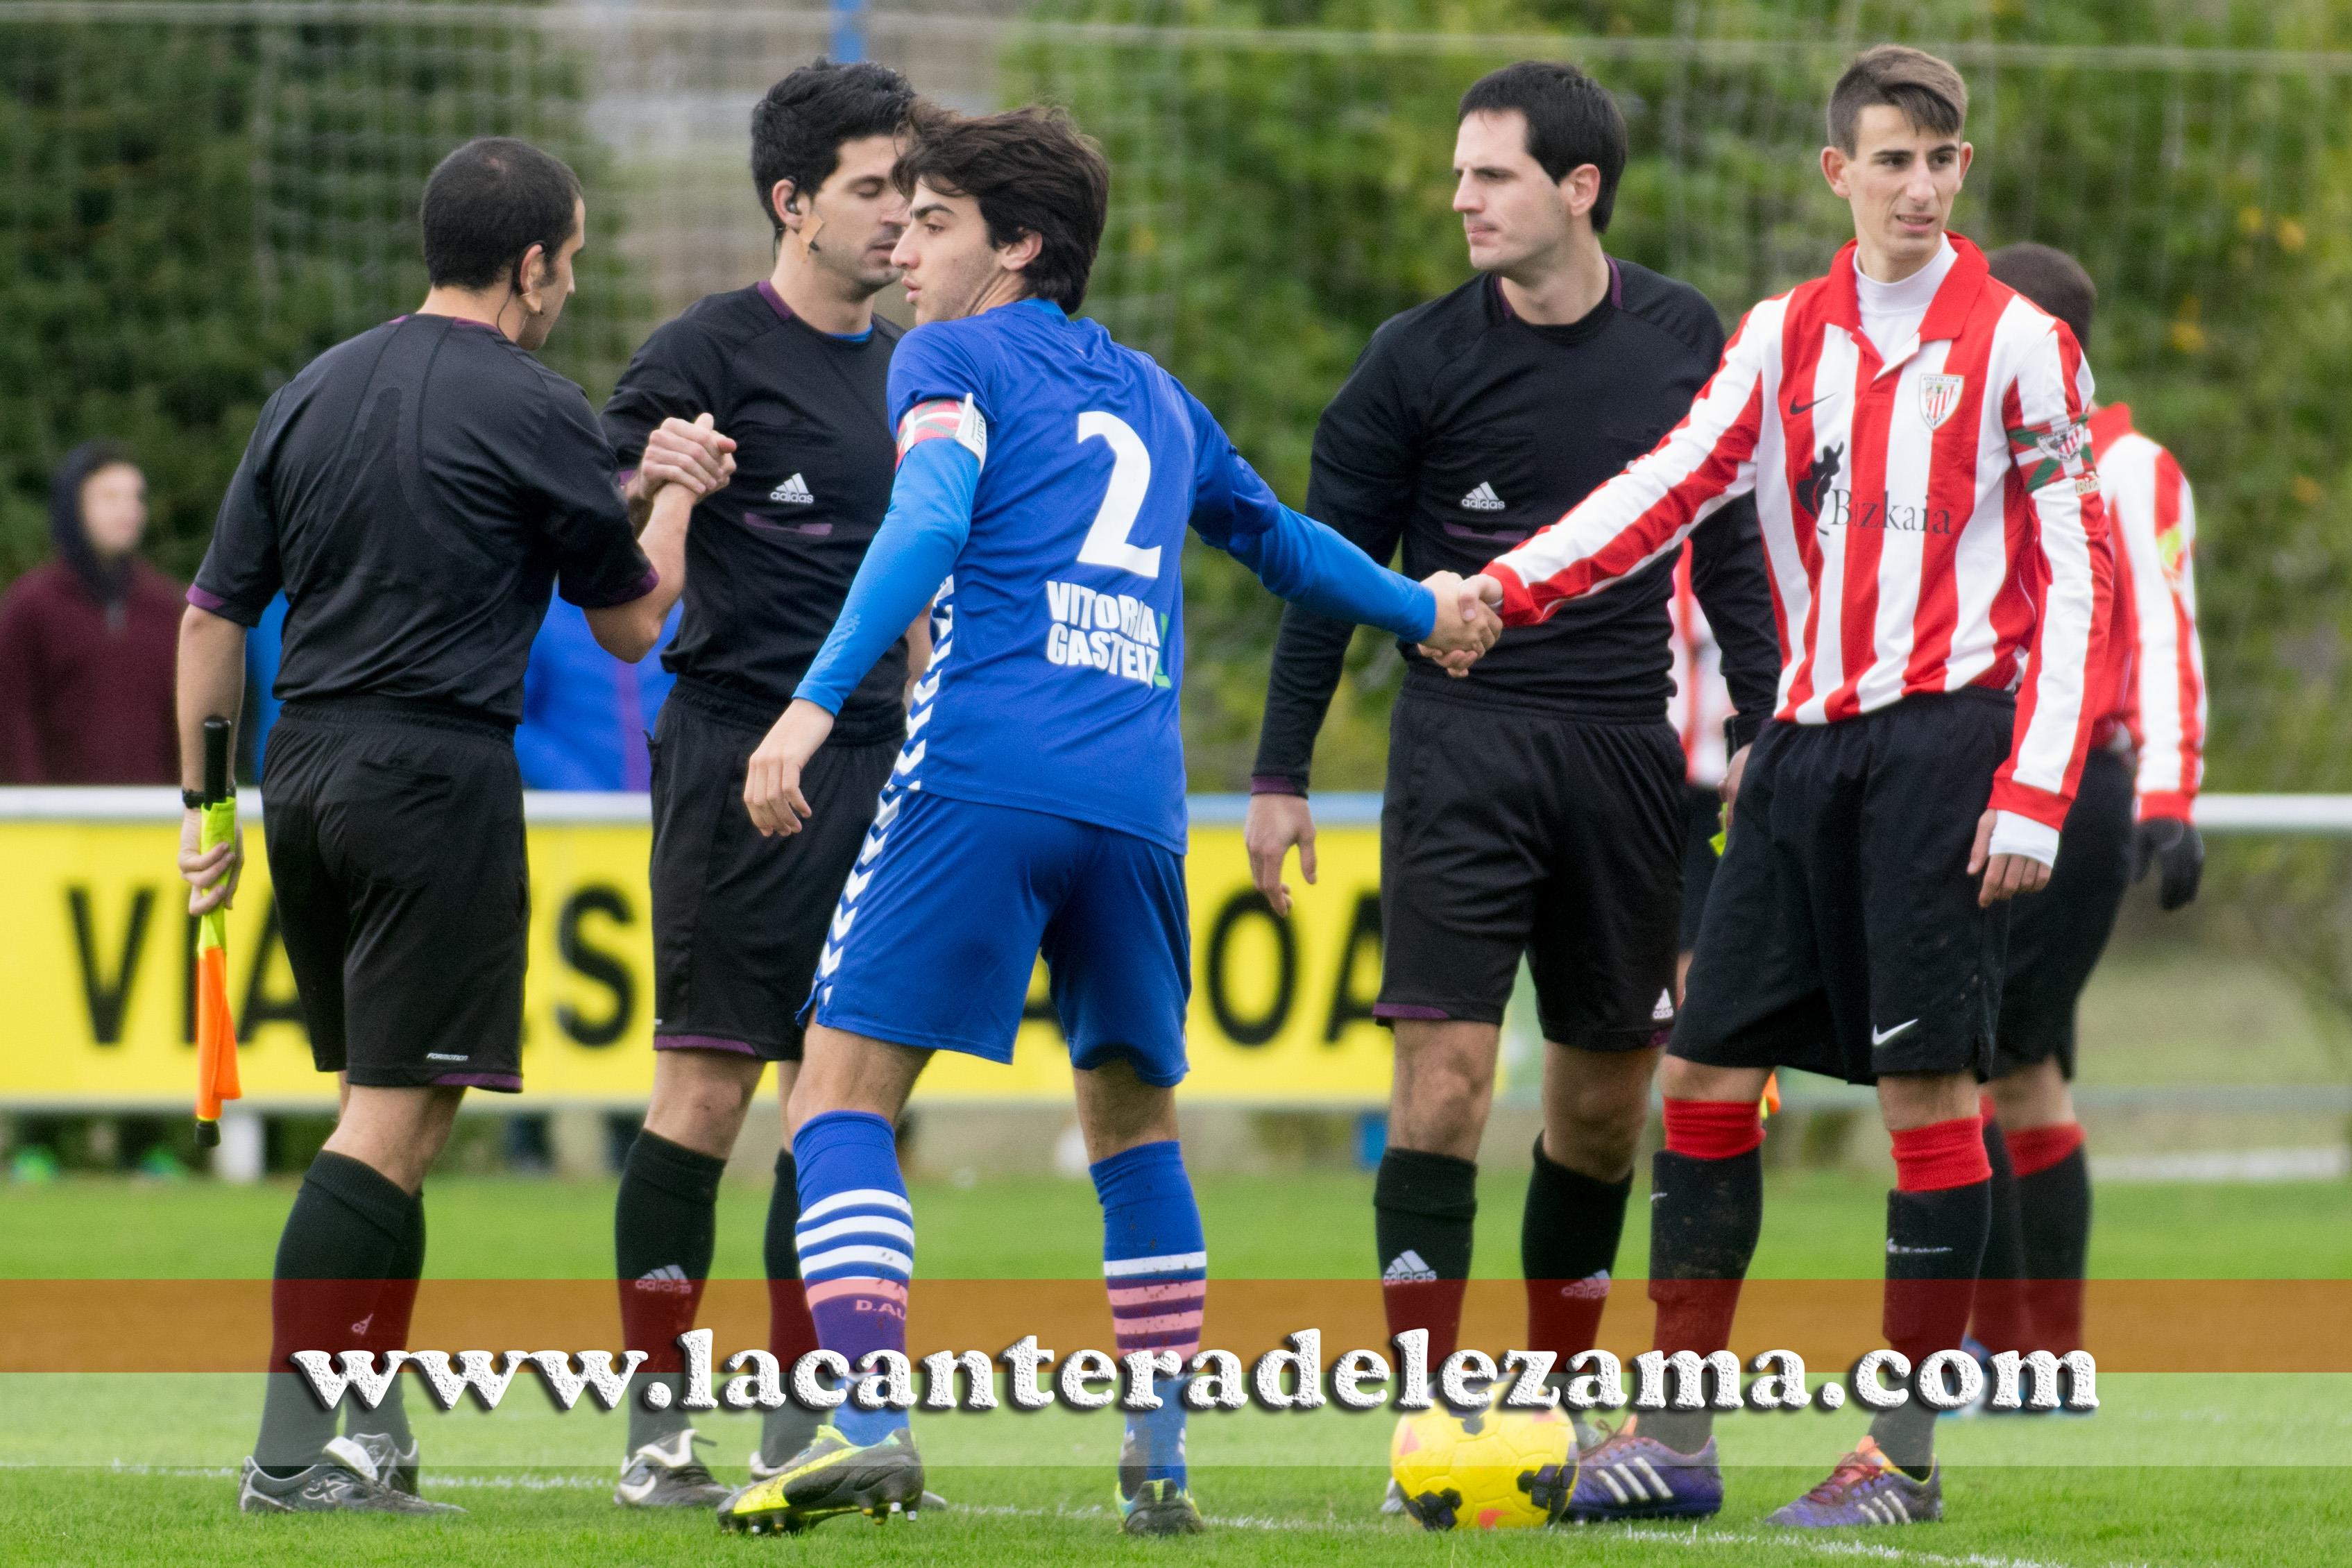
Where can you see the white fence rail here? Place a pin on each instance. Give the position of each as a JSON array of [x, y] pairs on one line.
[[2322, 816]]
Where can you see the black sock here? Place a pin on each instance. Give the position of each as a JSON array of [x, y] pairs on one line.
[[2056, 1202], [1935, 1245], [665, 1226], [387, 1331], [792, 1333], [1424, 1209], [344, 1238], [1568, 1244], [1704, 1217], [2000, 1317]]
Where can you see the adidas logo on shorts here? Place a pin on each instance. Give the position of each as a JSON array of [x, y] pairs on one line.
[[794, 491], [1406, 1266], [1483, 499], [1663, 1012]]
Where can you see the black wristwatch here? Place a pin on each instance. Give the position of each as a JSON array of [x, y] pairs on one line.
[[194, 799]]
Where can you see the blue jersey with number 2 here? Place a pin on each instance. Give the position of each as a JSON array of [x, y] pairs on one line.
[[1059, 638]]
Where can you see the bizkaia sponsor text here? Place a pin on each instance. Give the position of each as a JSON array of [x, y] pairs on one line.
[[1291, 1377]]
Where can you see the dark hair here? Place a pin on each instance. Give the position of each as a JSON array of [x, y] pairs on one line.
[[1031, 172], [1927, 91], [797, 129], [1572, 122], [2052, 279], [488, 204]]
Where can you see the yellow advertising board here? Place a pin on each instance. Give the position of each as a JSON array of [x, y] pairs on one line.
[[95, 967]]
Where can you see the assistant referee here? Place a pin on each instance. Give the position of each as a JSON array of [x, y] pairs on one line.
[[415, 492]]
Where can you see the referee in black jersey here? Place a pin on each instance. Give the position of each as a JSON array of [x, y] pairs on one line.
[[1558, 836], [795, 369], [415, 492]]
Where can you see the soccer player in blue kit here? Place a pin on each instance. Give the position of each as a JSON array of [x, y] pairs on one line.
[[1046, 479]]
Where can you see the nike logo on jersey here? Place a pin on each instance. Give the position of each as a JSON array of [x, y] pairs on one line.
[[1796, 408], [1880, 1036], [1482, 498], [794, 491]]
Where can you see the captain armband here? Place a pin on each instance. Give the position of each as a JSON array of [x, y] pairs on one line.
[[945, 419]]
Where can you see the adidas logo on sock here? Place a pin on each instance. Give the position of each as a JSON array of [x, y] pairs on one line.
[[1483, 499], [1405, 1266], [670, 1279], [794, 491]]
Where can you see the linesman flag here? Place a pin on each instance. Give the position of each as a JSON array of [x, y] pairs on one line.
[[215, 1027]]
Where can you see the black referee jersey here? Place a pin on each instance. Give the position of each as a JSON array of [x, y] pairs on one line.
[[1460, 431], [416, 491], [770, 557]]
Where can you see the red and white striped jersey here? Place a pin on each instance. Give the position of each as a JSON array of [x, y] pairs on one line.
[[1702, 703], [2156, 686], [1931, 521]]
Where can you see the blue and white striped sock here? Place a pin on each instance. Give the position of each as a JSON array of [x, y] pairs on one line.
[[857, 1243], [1156, 1269]]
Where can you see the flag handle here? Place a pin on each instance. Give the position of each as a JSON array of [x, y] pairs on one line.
[[215, 1043]]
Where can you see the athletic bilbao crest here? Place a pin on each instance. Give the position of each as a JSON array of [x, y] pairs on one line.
[[1939, 395]]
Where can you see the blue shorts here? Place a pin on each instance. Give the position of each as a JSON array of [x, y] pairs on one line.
[[940, 925]]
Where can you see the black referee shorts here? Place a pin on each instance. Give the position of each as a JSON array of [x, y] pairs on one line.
[[396, 853], [1507, 831], [738, 920], [1702, 820], [1842, 934], [2056, 935]]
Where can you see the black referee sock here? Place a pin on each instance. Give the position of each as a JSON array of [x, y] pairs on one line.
[[792, 1333], [1424, 1209], [1568, 1244], [1935, 1245], [344, 1238], [1704, 1217], [664, 1227], [388, 1330]]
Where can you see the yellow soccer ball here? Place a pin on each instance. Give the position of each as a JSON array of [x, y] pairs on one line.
[[1492, 1470]]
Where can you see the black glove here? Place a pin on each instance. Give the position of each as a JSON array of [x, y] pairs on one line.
[[2174, 843]]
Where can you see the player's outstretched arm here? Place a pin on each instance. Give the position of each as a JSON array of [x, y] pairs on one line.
[[913, 552], [1704, 463]]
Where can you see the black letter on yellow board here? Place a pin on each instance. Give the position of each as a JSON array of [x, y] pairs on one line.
[[1349, 1006], [262, 1005], [109, 999], [1250, 904], [596, 964]]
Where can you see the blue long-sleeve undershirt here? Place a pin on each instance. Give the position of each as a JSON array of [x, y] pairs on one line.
[[912, 553], [1313, 565], [930, 519]]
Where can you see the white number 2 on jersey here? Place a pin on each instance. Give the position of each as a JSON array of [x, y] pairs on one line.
[[1130, 477]]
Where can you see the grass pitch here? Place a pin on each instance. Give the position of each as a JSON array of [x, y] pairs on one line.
[[2174, 1468]]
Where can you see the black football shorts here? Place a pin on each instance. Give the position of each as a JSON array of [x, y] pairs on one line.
[[738, 920], [396, 856], [1842, 933], [1509, 831], [2056, 936]]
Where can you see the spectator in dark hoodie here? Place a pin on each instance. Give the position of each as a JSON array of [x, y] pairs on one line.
[[88, 641]]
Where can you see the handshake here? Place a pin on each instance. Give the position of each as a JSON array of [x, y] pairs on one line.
[[1466, 623]]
